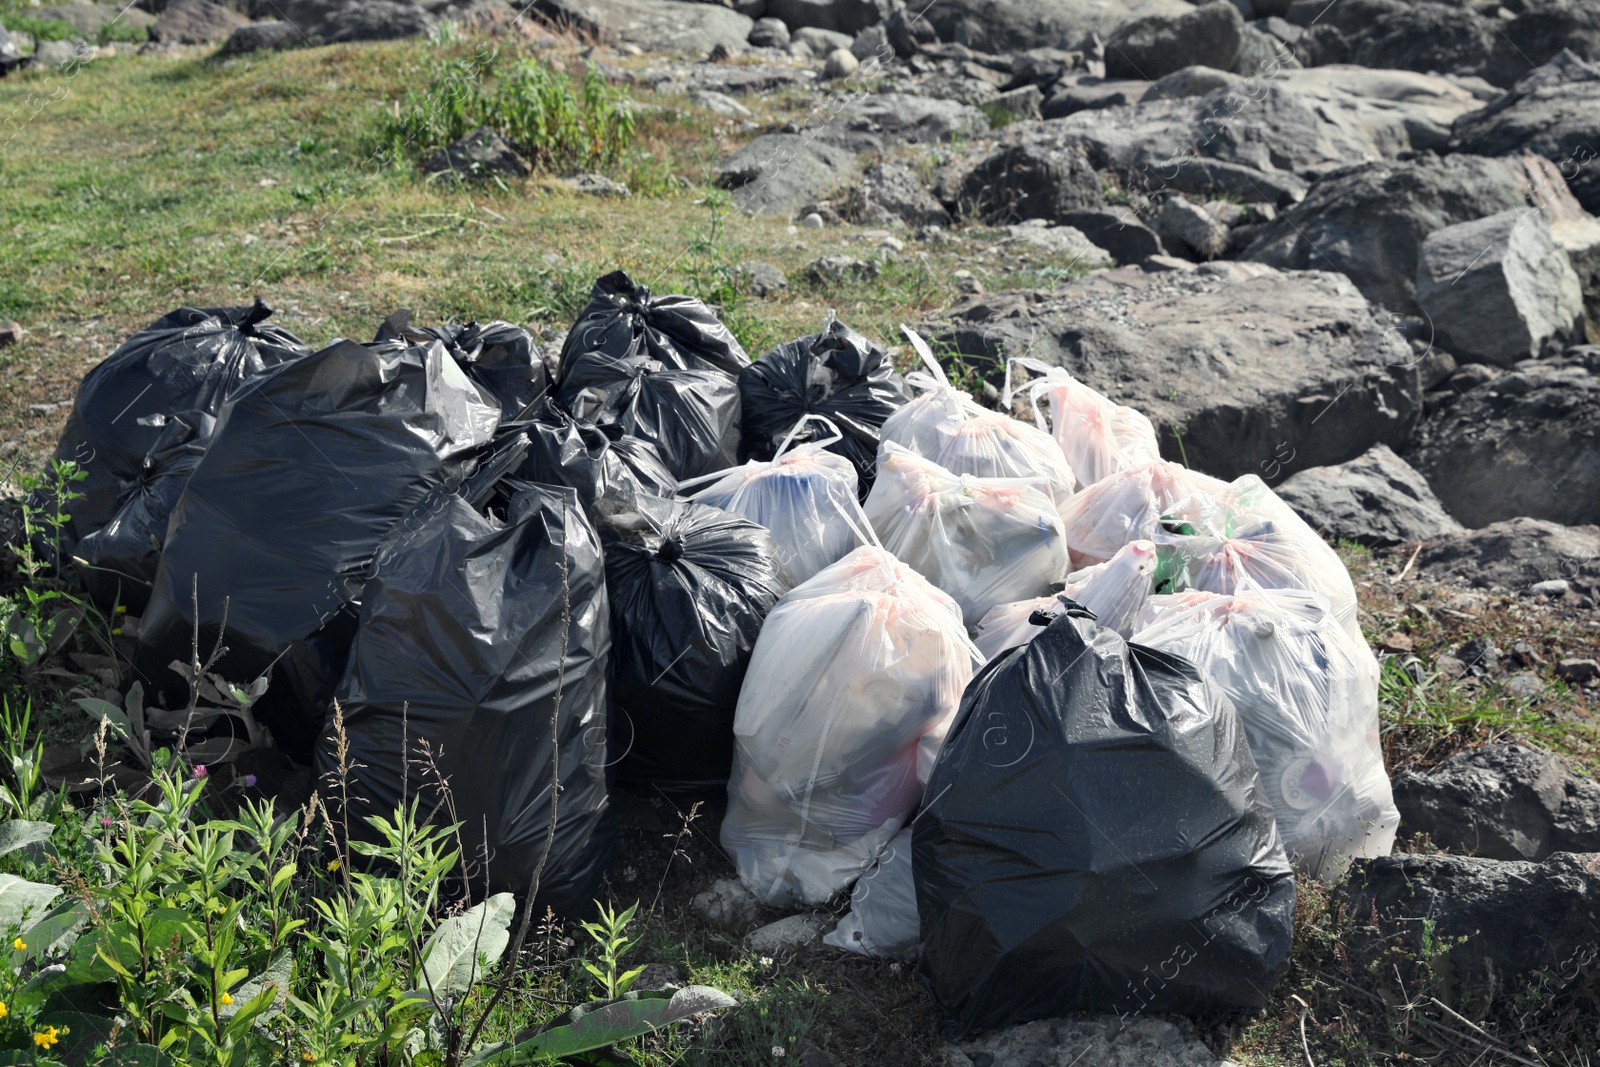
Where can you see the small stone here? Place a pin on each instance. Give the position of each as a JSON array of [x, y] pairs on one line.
[[658, 976], [727, 904], [809, 1055], [1524, 685], [932, 234], [769, 33], [480, 152], [841, 268], [761, 279], [1397, 643], [720, 53], [1479, 654], [1578, 671], [967, 282], [786, 935], [841, 63], [1525, 655], [812, 221], [1551, 587], [1161, 264], [1450, 668], [599, 185], [10, 333], [721, 103]]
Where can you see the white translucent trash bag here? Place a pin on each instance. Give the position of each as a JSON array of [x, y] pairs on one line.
[[1309, 704], [806, 495], [985, 541], [1247, 536], [882, 920], [1115, 591], [945, 425], [1098, 436], [1128, 506], [852, 684]]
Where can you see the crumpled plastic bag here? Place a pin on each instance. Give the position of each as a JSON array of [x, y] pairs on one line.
[[1096, 838], [837, 374], [882, 920], [118, 562], [623, 319], [1243, 536], [853, 681], [564, 450], [1308, 697], [985, 541], [1114, 591], [1098, 436], [189, 360], [806, 495], [947, 426], [690, 586], [691, 416], [1128, 506], [502, 358], [421, 670], [313, 468]]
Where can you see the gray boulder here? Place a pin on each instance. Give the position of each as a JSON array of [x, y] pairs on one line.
[[10, 56], [1089, 93], [1262, 55], [1580, 240], [57, 54], [833, 270], [371, 20], [908, 32], [1209, 35], [1002, 26], [1551, 112], [819, 41], [481, 152], [769, 33], [841, 16], [1191, 81], [1524, 444], [779, 173], [1493, 930], [1374, 499], [196, 22], [1502, 802], [89, 18], [871, 122], [1062, 246], [1515, 555], [891, 191], [652, 25], [1019, 182], [1237, 359], [1118, 230], [1189, 228], [1499, 289], [264, 36], [1369, 221]]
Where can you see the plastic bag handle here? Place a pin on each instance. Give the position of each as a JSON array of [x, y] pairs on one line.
[[838, 434], [934, 378], [1033, 388]]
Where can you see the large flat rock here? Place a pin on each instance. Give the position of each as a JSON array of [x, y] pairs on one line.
[[1515, 555], [653, 25], [1375, 499], [1524, 444], [779, 173], [1244, 369], [1014, 25]]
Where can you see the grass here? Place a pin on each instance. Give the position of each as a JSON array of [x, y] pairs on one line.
[[139, 185]]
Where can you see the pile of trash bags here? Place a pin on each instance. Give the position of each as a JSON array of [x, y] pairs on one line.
[[1049, 710]]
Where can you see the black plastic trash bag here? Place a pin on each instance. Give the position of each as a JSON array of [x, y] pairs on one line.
[[497, 355], [568, 451], [458, 665], [690, 586], [623, 319], [311, 469], [1096, 838], [190, 359], [118, 561], [691, 416], [836, 373]]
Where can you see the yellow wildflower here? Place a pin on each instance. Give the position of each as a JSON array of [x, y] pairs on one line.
[[308, 1057], [19, 944], [334, 865], [4, 1011], [47, 1037], [227, 998]]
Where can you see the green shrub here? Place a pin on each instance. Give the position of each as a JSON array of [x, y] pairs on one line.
[[42, 29], [553, 123]]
